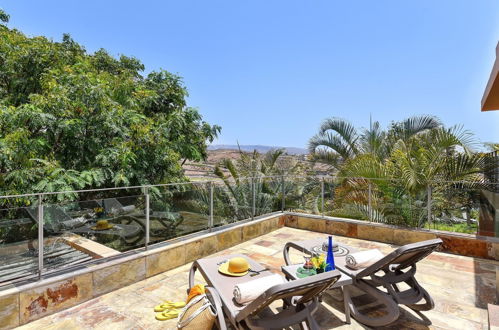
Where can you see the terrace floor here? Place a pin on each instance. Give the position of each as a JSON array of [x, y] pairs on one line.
[[461, 287]]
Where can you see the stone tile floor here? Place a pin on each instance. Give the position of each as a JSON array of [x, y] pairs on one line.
[[461, 287]]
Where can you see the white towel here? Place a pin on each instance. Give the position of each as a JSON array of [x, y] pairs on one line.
[[363, 259], [128, 208], [249, 291]]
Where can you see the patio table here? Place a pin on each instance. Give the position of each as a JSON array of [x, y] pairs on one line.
[[314, 246], [290, 273]]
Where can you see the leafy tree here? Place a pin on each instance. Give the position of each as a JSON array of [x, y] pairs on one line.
[[72, 120], [4, 17]]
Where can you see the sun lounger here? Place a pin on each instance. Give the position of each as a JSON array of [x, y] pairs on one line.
[[56, 220], [382, 279], [299, 297], [394, 269], [128, 214]]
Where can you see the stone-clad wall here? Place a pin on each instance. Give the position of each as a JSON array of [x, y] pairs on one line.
[[462, 244], [29, 302]]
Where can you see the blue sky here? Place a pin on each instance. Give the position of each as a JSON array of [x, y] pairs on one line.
[[269, 72]]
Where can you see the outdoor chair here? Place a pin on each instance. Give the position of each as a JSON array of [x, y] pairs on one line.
[[56, 220], [129, 214], [389, 273], [299, 297]]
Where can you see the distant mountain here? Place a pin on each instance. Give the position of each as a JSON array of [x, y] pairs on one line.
[[259, 148]]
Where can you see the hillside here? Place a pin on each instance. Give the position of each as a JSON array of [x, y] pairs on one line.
[[204, 170], [259, 148]]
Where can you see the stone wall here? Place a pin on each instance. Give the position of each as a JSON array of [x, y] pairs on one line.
[[463, 244], [25, 303]]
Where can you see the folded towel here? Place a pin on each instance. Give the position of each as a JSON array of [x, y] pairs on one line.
[[249, 291], [73, 223], [363, 259], [128, 208]]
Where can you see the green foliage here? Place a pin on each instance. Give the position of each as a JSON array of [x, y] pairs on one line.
[[457, 228], [73, 120], [399, 164], [4, 17], [256, 173]]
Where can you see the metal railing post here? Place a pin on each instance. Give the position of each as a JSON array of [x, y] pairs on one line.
[[322, 197], [283, 201], [428, 205], [253, 206], [146, 192], [370, 206], [40, 236], [211, 206]]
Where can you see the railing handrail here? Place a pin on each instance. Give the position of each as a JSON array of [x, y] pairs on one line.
[[214, 180]]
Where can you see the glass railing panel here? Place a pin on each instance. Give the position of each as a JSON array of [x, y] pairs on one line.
[[338, 204], [177, 210], [18, 240], [488, 224], [303, 194], [456, 206], [381, 201], [226, 208], [232, 200], [103, 223], [347, 198], [392, 203], [268, 195], [126, 213]]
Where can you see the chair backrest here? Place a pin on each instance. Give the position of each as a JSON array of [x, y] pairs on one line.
[[402, 257], [53, 216], [112, 205], [306, 288]]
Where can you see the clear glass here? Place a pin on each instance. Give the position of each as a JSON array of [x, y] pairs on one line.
[[95, 225], [346, 198], [232, 201], [268, 195], [178, 210], [456, 206], [18, 239], [488, 210], [303, 194]]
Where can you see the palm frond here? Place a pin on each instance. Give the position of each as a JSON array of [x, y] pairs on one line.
[[330, 142], [343, 128]]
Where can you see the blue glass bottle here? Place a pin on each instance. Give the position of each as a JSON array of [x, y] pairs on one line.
[[330, 257]]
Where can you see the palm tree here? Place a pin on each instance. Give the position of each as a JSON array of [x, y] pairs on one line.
[[339, 141], [400, 163], [263, 176]]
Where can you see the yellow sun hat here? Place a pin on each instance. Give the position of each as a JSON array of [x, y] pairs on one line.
[[102, 225], [235, 267]]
